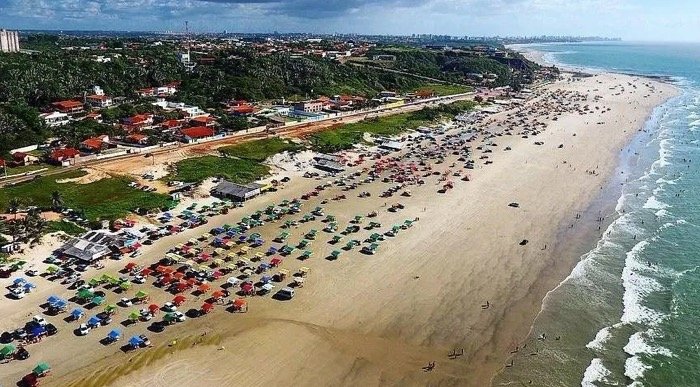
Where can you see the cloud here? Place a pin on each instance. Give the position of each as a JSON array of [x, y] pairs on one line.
[[314, 9]]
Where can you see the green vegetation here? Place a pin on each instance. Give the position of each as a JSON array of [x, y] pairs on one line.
[[443, 89], [198, 169], [69, 228], [260, 150], [345, 136], [105, 199]]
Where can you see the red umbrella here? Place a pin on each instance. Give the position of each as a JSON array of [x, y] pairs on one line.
[[179, 300], [153, 308], [207, 307]]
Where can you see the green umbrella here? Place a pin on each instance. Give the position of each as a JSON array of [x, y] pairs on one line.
[[85, 294], [169, 317], [134, 316], [125, 285], [42, 368], [51, 269], [7, 350], [110, 308], [97, 300], [141, 294]]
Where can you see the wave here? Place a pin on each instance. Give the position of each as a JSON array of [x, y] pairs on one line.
[[637, 345], [654, 204], [637, 287], [600, 339], [595, 373]]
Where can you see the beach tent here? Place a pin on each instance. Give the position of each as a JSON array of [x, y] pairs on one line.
[[85, 294], [38, 331], [114, 335], [7, 350], [240, 305], [41, 369], [94, 321], [141, 295], [135, 341], [77, 313], [179, 300], [134, 316], [207, 307]]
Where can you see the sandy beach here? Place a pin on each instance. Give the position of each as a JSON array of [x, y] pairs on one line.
[[379, 319]]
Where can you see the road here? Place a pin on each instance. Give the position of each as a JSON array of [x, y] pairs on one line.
[[295, 130]]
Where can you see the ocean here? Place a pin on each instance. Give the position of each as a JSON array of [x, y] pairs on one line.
[[628, 315]]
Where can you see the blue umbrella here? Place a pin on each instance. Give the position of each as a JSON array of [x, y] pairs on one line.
[[18, 281], [52, 300], [38, 331], [77, 313], [135, 341], [266, 279], [94, 321], [29, 286], [115, 334], [60, 304]]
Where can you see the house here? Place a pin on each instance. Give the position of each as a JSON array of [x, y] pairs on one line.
[[95, 144], [93, 246], [136, 138], [137, 122], [309, 106], [329, 165], [55, 119], [99, 101], [95, 116], [206, 121], [22, 158], [171, 125], [147, 92], [236, 192], [196, 133], [69, 106], [64, 157]]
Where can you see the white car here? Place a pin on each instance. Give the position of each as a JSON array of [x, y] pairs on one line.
[[40, 320], [17, 293], [126, 302], [180, 317], [169, 307], [83, 329], [145, 315]]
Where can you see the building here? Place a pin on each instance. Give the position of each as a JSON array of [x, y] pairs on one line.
[[383, 57], [69, 107], [236, 192], [329, 165], [95, 144], [54, 119], [64, 157], [23, 158], [92, 246], [309, 106], [196, 133], [9, 41]]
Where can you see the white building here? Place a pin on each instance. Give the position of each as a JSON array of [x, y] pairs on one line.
[[9, 41], [54, 119]]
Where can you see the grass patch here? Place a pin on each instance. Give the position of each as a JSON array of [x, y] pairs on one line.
[[28, 168], [260, 150], [69, 228], [103, 199], [198, 169], [443, 89], [345, 136]]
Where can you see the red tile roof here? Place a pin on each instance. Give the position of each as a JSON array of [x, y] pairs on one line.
[[68, 105], [62, 154], [197, 132]]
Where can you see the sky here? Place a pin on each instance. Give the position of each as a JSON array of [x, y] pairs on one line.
[[633, 20]]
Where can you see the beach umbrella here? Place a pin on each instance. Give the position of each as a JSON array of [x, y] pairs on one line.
[[153, 308], [135, 341], [266, 279], [179, 300], [110, 308], [52, 300], [38, 331], [207, 307], [77, 313], [18, 281], [41, 368], [125, 285], [85, 294], [94, 321], [141, 294], [114, 335], [52, 269], [240, 303], [7, 350], [134, 316], [97, 300]]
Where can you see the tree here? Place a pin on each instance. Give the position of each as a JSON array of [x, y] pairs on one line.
[[56, 201], [13, 206]]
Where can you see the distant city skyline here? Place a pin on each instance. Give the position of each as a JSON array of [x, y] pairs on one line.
[[649, 20]]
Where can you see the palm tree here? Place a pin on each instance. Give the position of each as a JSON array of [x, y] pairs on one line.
[[56, 200], [13, 206]]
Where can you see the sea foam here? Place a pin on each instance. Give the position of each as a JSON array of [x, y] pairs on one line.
[[595, 373]]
